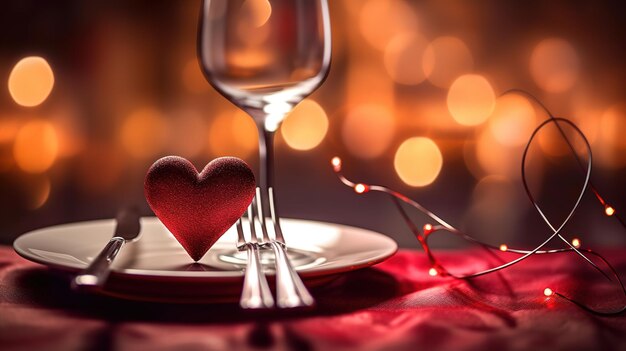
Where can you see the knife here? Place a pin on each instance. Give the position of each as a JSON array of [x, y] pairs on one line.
[[128, 229]]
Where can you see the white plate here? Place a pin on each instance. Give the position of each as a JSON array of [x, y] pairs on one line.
[[157, 268]]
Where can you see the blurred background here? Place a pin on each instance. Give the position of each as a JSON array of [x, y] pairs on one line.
[[93, 92]]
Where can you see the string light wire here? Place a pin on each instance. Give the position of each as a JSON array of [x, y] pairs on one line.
[[438, 270], [609, 211]]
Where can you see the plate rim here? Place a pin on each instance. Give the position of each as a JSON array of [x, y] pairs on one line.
[[222, 276]]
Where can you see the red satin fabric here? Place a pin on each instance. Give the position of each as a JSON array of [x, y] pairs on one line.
[[395, 306]]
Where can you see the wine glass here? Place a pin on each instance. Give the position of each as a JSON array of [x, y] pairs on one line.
[[266, 56]]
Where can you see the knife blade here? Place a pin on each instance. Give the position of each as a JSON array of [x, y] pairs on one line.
[[128, 226], [127, 229]]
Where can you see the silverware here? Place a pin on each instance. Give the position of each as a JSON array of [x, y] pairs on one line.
[[256, 292], [127, 229], [290, 290]]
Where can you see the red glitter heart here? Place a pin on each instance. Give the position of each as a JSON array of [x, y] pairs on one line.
[[198, 208]]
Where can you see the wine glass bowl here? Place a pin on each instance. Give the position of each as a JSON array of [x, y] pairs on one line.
[[265, 56]]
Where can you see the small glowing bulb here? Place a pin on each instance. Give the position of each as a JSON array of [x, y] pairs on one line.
[[433, 272], [336, 162], [608, 210], [503, 247], [548, 292], [576, 243], [360, 188], [428, 228]]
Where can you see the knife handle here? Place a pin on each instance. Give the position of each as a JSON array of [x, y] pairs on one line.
[[98, 270]]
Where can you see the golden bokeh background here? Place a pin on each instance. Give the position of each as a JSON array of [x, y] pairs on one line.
[[94, 92]]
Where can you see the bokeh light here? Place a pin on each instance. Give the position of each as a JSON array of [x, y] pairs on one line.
[[418, 161], [551, 141], [36, 146], [612, 142], [32, 191], [494, 158], [256, 12], [253, 31], [31, 80], [70, 133], [144, 133], [446, 58], [233, 134], [613, 126], [40, 192], [513, 120], [487, 156], [250, 59], [381, 20], [403, 56], [306, 126], [550, 138], [554, 65], [368, 130], [586, 113], [471, 99], [352, 7]]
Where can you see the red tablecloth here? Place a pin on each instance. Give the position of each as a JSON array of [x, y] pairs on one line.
[[394, 306]]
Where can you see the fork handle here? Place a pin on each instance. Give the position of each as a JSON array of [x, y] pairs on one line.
[[98, 270], [256, 292], [290, 290]]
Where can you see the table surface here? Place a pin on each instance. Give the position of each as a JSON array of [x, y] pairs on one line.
[[393, 306]]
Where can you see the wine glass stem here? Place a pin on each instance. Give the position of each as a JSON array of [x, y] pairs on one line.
[[266, 158]]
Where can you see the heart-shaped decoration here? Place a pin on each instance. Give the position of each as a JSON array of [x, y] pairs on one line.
[[198, 208]]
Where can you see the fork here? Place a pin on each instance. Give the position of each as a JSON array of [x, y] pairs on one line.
[[256, 292], [290, 290]]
